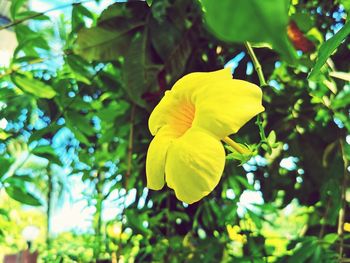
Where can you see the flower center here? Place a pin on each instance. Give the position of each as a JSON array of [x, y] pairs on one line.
[[183, 118]]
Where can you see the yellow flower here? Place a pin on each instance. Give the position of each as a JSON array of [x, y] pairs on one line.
[[233, 234], [346, 227], [201, 109]]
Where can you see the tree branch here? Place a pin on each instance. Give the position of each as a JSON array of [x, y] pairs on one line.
[[19, 21], [342, 210]]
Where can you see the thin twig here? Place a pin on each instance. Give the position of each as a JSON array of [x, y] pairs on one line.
[[127, 175], [130, 146], [256, 63], [19, 21], [342, 210], [259, 71], [323, 226]]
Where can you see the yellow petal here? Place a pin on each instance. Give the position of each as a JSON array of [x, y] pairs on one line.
[[194, 165], [347, 227], [160, 114], [156, 156], [221, 105], [176, 107], [224, 106]]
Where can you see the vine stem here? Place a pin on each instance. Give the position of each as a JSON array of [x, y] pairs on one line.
[[130, 145], [259, 71], [342, 210], [256, 63], [127, 176]]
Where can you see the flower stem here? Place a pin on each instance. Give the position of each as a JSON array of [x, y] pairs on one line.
[[235, 145], [257, 65], [259, 71], [341, 218]]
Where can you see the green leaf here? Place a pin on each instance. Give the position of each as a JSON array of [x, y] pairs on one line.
[[306, 250], [78, 14], [33, 15], [342, 100], [77, 133], [116, 28], [47, 132], [330, 238], [164, 36], [244, 182], [15, 187], [47, 152], [4, 135], [20, 195], [5, 164], [34, 86], [175, 64], [251, 20], [327, 48], [25, 59], [137, 71], [255, 218], [101, 44], [340, 75], [15, 7], [29, 40], [79, 69], [304, 21], [81, 122], [4, 213]]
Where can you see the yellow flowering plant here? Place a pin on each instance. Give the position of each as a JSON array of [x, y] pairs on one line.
[[201, 110]]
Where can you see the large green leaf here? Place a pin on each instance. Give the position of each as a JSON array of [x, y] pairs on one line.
[[139, 73], [22, 196], [328, 48], [305, 251], [34, 86], [114, 32], [251, 20], [29, 41], [79, 12], [15, 187], [78, 69], [47, 133], [4, 213], [81, 122], [5, 164], [15, 7], [47, 152]]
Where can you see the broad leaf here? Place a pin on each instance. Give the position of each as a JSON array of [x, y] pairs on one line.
[[20, 195], [4, 165], [251, 20], [15, 7], [116, 28], [101, 44], [137, 70], [79, 12], [47, 152], [328, 48], [47, 132], [15, 187], [4, 213], [34, 86]]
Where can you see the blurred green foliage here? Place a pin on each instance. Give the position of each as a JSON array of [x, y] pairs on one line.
[[76, 98]]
